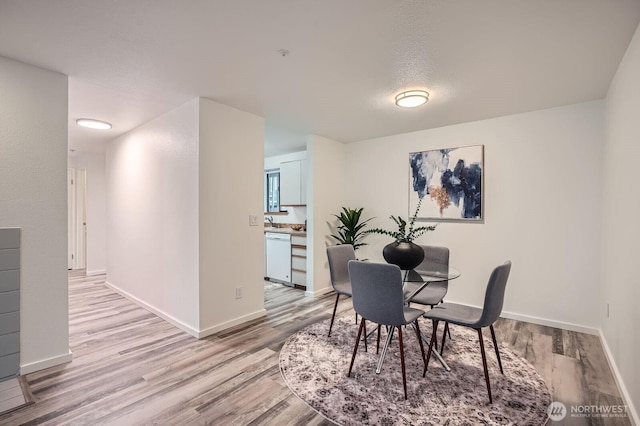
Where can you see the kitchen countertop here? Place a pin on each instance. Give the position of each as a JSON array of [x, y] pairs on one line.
[[285, 231]]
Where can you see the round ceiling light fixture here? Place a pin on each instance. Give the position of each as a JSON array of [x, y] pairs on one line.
[[93, 124], [412, 98]]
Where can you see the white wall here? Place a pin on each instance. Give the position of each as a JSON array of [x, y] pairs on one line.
[[274, 161], [152, 215], [231, 252], [621, 229], [326, 164], [542, 192], [96, 210], [33, 196]]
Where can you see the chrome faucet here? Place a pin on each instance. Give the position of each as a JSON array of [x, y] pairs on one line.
[[270, 220]]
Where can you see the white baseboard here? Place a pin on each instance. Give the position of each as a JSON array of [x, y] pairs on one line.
[[551, 323], [231, 323], [185, 327], [318, 293], [633, 413], [45, 363], [96, 272], [165, 316]]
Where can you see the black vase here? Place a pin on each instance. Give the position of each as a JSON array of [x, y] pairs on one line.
[[404, 254]]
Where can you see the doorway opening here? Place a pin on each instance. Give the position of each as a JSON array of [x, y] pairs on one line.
[[76, 218]]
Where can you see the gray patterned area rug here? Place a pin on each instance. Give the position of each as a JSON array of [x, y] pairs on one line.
[[315, 367]]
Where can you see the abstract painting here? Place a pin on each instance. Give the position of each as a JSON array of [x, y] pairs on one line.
[[449, 181]]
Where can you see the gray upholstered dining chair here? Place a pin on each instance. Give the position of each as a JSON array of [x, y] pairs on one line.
[[475, 318], [436, 259], [339, 256], [377, 297]]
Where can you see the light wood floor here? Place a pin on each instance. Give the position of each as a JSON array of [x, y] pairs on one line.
[[131, 368]]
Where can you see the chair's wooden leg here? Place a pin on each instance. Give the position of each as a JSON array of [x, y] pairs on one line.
[[419, 336], [333, 316], [355, 348], [435, 340], [444, 337], [447, 328], [426, 364], [495, 345], [378, 342], [404, 376], [484, 363], [364, 327]]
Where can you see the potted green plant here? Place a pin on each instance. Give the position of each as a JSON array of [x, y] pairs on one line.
[[403, 251], [350, 230]]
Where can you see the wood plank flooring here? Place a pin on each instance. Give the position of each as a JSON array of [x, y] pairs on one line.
[[132, 368], [11, 395]]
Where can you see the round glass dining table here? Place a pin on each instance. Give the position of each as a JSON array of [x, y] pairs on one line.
[[435, 273]]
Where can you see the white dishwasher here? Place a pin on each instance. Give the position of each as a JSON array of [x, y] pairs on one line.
[[278, 252]]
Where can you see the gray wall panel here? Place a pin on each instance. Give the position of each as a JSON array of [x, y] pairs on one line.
[[9, 365], [9, 259], [9, 344], [10, 280], [9, 238], [9, 301], [9, 323]]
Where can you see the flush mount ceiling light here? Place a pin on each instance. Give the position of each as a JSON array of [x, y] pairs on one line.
[[93, 124], [412, 98]]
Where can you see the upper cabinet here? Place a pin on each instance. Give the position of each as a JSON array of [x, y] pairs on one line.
[[293, 183]]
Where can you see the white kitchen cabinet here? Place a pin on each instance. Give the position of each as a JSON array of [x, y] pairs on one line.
[[293, 183], [303, 182]]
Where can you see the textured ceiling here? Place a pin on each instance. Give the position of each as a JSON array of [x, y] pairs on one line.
[[130, 61]]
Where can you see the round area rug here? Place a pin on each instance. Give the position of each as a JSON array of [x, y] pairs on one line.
[[315, 368]]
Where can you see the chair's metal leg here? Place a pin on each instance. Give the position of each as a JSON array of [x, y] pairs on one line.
[[404, 375], [419, 335], [384, 349], [378, 342], [333, 316], [495, 345], [426, 364], [355, 348], [484, 363]]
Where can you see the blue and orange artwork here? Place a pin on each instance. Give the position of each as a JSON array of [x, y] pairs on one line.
[[449, 181]]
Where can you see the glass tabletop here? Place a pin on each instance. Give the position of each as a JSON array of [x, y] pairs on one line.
[[437, 273], [425, 277]]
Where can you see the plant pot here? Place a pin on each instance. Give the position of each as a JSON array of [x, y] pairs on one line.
[[404, 254]]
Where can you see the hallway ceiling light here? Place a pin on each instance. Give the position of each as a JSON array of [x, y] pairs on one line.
[[412, 98], [93, 124]]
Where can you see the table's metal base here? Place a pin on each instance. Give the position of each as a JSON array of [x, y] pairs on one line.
[[452, 273], [388, 341], [436, 353]]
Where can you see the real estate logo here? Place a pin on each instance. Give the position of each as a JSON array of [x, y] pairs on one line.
[[556, 411]]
